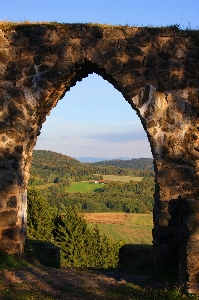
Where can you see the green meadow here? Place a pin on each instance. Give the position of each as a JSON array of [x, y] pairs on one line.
[[82, 187]]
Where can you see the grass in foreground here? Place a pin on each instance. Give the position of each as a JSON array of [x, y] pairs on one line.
[[10, 261], [137, 278], [33, 282]]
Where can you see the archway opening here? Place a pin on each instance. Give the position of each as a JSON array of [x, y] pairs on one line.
[[93, 119], [93, 122]]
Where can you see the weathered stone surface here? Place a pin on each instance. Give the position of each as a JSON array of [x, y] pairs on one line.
[[8, 218], [156, 70], [10, 234], [12, 202]]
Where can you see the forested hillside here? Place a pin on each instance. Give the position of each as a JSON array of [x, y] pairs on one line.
[[54, 173], [52, 167], [134, 163]]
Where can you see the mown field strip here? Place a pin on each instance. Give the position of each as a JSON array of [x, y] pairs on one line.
[[127, 234], [122, 227], [121, 178], [139, 220], [106, 218]]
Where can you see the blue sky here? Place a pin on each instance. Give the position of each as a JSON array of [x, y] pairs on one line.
[[93, 119]]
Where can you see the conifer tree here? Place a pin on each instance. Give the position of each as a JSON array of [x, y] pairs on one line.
[[81, 245], [70, 233], [40, 219]]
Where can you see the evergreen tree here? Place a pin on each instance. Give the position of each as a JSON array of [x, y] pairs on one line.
[[70, 233], [40, 218], [81, 245], [103, 252]]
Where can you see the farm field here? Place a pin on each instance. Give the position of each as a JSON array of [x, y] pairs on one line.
[[121, 178], [123, 227]]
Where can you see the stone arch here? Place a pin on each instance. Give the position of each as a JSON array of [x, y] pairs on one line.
[[157, 72]]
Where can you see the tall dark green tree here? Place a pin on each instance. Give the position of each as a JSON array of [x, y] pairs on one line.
[[103, 253], [70, 232], [40, 217]]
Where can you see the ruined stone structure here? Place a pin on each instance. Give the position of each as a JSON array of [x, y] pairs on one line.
[[157, 72]]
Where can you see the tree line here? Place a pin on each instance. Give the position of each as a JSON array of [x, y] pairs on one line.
[[134, 163]]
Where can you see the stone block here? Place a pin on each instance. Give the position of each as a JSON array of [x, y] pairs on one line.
[[10, 247], [134, 51], [132, 64], [164, 55], [8, 218], [12, 202], [10, 234], [97, 31]]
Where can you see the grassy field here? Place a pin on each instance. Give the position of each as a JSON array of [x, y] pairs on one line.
[[82, 187], [123, 227], [121, 178]]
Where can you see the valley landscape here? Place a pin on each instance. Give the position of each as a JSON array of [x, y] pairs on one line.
[[128, 185]]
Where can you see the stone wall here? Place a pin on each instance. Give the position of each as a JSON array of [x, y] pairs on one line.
[[157, 72]]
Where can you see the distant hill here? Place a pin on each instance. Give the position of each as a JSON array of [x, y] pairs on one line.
[[98, 159], [53, 173], [134, 163], [51, 167]]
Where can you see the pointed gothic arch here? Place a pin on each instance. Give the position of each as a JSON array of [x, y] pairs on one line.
[[93, 100]]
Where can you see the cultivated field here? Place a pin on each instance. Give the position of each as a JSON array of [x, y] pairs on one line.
[[121, 178], [106, 218], [123, 227]]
